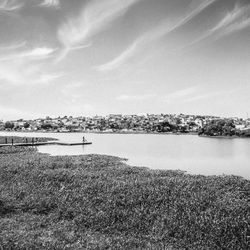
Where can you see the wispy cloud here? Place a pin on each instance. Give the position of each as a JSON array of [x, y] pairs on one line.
[[26, 73], [16, 67], [26, 67], [73, 91], [94, 18], [19, 72], [48, 78], [196, 93], [242, 23], [76, 108], [10, 5], [34, 54], [163, 29], [195, 11], [50, 3], [136, 46], [39, 52], [14, 46], [8, 113], [203, 96], [120, 59], [235, 20], [65, 50], [135, 97], [214, 94], [182, 94]]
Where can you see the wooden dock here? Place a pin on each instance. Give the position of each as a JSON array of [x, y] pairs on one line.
[[34, 144]]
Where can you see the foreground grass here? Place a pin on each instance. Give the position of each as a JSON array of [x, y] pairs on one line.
[[98, 202]]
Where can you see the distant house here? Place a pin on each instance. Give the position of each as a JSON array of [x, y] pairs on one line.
[[245, 132], [247, 129], [199, 122], [240, 126]]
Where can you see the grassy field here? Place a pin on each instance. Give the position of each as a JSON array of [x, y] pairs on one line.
[[99, 202]]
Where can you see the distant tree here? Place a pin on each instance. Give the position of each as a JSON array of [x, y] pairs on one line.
[[183, 129], [165, 127], [115, 126], [221, 127], [46, 126], [178, 121], [192, 124], [9, 125], [26, 125]]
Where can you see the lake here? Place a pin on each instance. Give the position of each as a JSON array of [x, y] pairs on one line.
[[196, 155]]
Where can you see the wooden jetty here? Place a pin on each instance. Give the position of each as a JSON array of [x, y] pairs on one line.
[[30, 144]]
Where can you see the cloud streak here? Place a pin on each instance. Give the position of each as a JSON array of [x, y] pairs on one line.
[[34, 54], [48, 78], [182, 94], [135, 97], [95, 17], [193, 13], [193, 94], [63, 53], [124, 56], [10, 5], [50, 3], [196, 93], [207, 96], [163, 29], [235, 20], [21, 72], [26, 67], [17, 45], [11, 113]]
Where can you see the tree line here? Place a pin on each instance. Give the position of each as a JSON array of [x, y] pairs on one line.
[[222, 127]]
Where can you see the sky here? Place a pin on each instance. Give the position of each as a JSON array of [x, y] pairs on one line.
[[99, 57]]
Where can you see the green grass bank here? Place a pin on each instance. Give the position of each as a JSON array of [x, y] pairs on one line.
[[99, 202]]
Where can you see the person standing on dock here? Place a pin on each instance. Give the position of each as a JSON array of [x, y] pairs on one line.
[[83, 139]]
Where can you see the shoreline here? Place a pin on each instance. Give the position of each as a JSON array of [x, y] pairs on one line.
[[131, 133], [224, 137], [104, 132]]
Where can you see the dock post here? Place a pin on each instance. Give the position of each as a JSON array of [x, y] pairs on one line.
[[6, 140], [12, 141]]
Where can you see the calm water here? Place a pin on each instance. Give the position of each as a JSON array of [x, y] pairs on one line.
[[191, 153]]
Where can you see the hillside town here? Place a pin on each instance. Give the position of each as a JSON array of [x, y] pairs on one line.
[[146, 123]]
